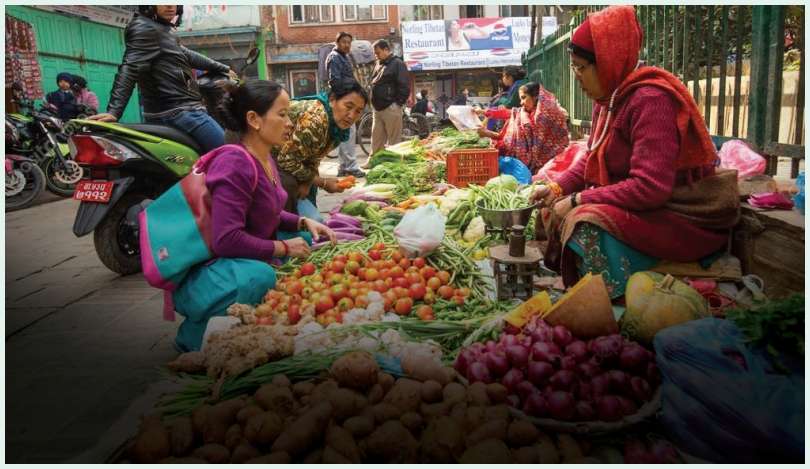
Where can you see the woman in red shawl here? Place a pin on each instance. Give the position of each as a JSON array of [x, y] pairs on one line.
[[647, 189], [535, 132]]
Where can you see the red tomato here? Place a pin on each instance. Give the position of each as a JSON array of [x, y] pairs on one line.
[[427, 272], [389, 264], [372, 274], [345, 304], [361, 273], [419, 262], [446, 292], [306, 292], [403, 306], [434, 283], [413, 278], [375, 255], [397, 271], [459, 300], [425, 313], [338, 266], [401, 282], [361, 301], [463, 292], [388, 303], [308, 269], [355, 256], [429, 298], [354, 292], [294, 288], [352, 267], [400, 292], [417, 291], [294, 314], [379, 246], [444, 276], [385, 273], [324, 304], [380, 286], [341, 258], [389, 282], [265, 321], [404, 263], [338, 292], [396, 256]]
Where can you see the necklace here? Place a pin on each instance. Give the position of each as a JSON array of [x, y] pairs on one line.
[[601, 131], [268, 170]]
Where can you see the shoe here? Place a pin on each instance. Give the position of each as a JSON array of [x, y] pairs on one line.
[[356, 173]]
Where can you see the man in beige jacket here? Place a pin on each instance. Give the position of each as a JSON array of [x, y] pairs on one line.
[[390, 89]]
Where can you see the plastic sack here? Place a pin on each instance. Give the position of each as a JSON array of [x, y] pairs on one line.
[[560, 163], [798, 199], [721, 400], [516, 168], [420, 231], [735, 154], [463, 117]]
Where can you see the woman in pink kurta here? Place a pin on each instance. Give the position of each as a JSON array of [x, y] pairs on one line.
[[647, 189]]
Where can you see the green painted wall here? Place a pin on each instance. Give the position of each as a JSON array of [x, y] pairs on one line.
[[70, 44]]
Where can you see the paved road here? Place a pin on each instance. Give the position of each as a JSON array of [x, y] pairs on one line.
[[82, 343]]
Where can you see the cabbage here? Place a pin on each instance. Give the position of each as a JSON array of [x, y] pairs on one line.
[[505, 181]]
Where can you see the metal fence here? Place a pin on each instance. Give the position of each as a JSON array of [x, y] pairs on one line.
[[711, 49]]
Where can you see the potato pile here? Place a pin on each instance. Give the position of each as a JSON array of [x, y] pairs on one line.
[[356, 413]]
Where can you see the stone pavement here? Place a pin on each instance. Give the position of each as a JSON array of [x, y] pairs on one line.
[[82, 343]]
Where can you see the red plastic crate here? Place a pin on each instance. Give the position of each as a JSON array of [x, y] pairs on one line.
[[471, 166]]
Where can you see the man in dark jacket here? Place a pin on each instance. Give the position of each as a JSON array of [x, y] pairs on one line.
[[162, 69], [63, 98], [340, 68], [390, 89]]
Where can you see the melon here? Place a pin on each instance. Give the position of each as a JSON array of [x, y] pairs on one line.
[[585, 309], [538, 304], [655, 302]]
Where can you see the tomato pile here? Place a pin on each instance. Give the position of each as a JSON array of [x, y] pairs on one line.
[[408, 287]]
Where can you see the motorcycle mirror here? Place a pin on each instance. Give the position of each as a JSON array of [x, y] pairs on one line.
[[252, 55]]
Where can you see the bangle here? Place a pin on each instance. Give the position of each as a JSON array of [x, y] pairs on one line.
[[286, 248], [574, 199], [555, 189]]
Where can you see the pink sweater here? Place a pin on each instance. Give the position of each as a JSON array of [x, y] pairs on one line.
[[640, 158]]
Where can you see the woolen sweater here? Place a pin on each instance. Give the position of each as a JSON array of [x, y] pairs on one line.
[[244, 221], [641, 156]]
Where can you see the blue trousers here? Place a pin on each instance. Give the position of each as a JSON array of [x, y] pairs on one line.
[[202, 128]]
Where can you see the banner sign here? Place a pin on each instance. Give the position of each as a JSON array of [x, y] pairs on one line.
[[465, 43]]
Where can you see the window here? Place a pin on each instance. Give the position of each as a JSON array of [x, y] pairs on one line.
[[471, 11], [428, 12], [365, 12], [308, 14], [508, 11]]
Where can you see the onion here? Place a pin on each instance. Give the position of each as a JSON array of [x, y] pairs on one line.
[[652, 373], [562, 336], [539, 372], [627, 406], [463, 361], [542, 335], [525, 389], [526, 341], [562, 380], [508, 339], [641, 391], [578, 350], [477, 371], [511, 379], [600, 385], [635, 452], [619, 382], [536, 405], [584, 391], [491, 346], [561, 405], [509, 329], [608, 408], [497, 363], [588, 369], [663, 452], [545, 351], [584, 411], [607, 349], [518, 355], [477, 347], [513, 400], [633, 357], [568, 363]]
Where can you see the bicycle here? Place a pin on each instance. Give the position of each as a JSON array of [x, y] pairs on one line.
[[413, 125]]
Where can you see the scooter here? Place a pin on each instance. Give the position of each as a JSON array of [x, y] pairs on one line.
[[42, 140], [24, 179], [126, 166]]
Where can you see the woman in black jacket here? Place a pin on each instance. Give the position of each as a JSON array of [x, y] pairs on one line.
[[162, 69]]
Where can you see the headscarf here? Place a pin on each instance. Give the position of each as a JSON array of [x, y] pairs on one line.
[[64, 76], [617, 36], [536, 136], [336, 134]]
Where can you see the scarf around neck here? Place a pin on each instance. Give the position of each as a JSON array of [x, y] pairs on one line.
[[336, 134]]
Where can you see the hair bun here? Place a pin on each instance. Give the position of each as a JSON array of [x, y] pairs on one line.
[[226, 111]]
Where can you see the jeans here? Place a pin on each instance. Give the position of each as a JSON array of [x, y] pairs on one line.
[[202, 128], [346, 152]]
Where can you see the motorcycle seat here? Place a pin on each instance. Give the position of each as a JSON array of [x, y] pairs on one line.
[[166, 132]]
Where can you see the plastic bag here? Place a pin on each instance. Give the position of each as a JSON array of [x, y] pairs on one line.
[[721, 400], [735, 154], [798, 199], [420, 231], [516, 168], [560, 163], [463, 117]]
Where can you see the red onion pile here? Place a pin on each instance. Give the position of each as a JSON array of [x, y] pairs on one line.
[[551, 373]]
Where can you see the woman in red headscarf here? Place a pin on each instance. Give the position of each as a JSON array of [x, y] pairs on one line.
[[647, 190]]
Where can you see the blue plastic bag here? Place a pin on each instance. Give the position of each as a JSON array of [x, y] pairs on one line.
[[721, 400], [798, 199], [516, 168]]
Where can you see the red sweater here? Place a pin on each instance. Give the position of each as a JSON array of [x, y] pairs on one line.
[[641, 156]]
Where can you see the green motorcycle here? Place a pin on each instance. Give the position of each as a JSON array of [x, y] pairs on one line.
[[125, 165]]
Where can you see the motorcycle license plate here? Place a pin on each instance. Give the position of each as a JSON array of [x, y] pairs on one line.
[[93, 191]]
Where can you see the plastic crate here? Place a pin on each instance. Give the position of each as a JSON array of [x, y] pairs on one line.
[[471, 166]]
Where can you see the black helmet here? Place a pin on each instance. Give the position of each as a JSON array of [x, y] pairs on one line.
[[149, 11]]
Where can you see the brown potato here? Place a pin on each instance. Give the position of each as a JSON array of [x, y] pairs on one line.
[[213, 453], [496, 429], [522, 433], [454, 393], [264, 428], [182, 436], [359, 426], [431, 391], [413, 422], [244, 452], [477, 394], [497, 392], [491, 451]]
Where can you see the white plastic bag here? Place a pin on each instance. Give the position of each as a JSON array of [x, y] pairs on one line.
[[463, 117], [420, 231]]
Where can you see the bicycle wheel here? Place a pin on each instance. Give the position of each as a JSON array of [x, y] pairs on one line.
[[364, 133]]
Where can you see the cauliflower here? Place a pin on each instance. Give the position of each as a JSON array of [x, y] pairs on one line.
[[475, 230]]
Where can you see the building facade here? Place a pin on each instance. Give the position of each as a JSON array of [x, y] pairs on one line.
[[303, 34]]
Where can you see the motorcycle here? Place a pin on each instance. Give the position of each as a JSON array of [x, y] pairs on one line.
[[42, 140], [24, 179], [126, 166]]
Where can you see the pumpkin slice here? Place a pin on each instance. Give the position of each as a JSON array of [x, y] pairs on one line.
[[538, 304], [585, 309]]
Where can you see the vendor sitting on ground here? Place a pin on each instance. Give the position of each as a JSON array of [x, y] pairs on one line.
[[320, 123], [647, 189], [249, 226], [535, 132]]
